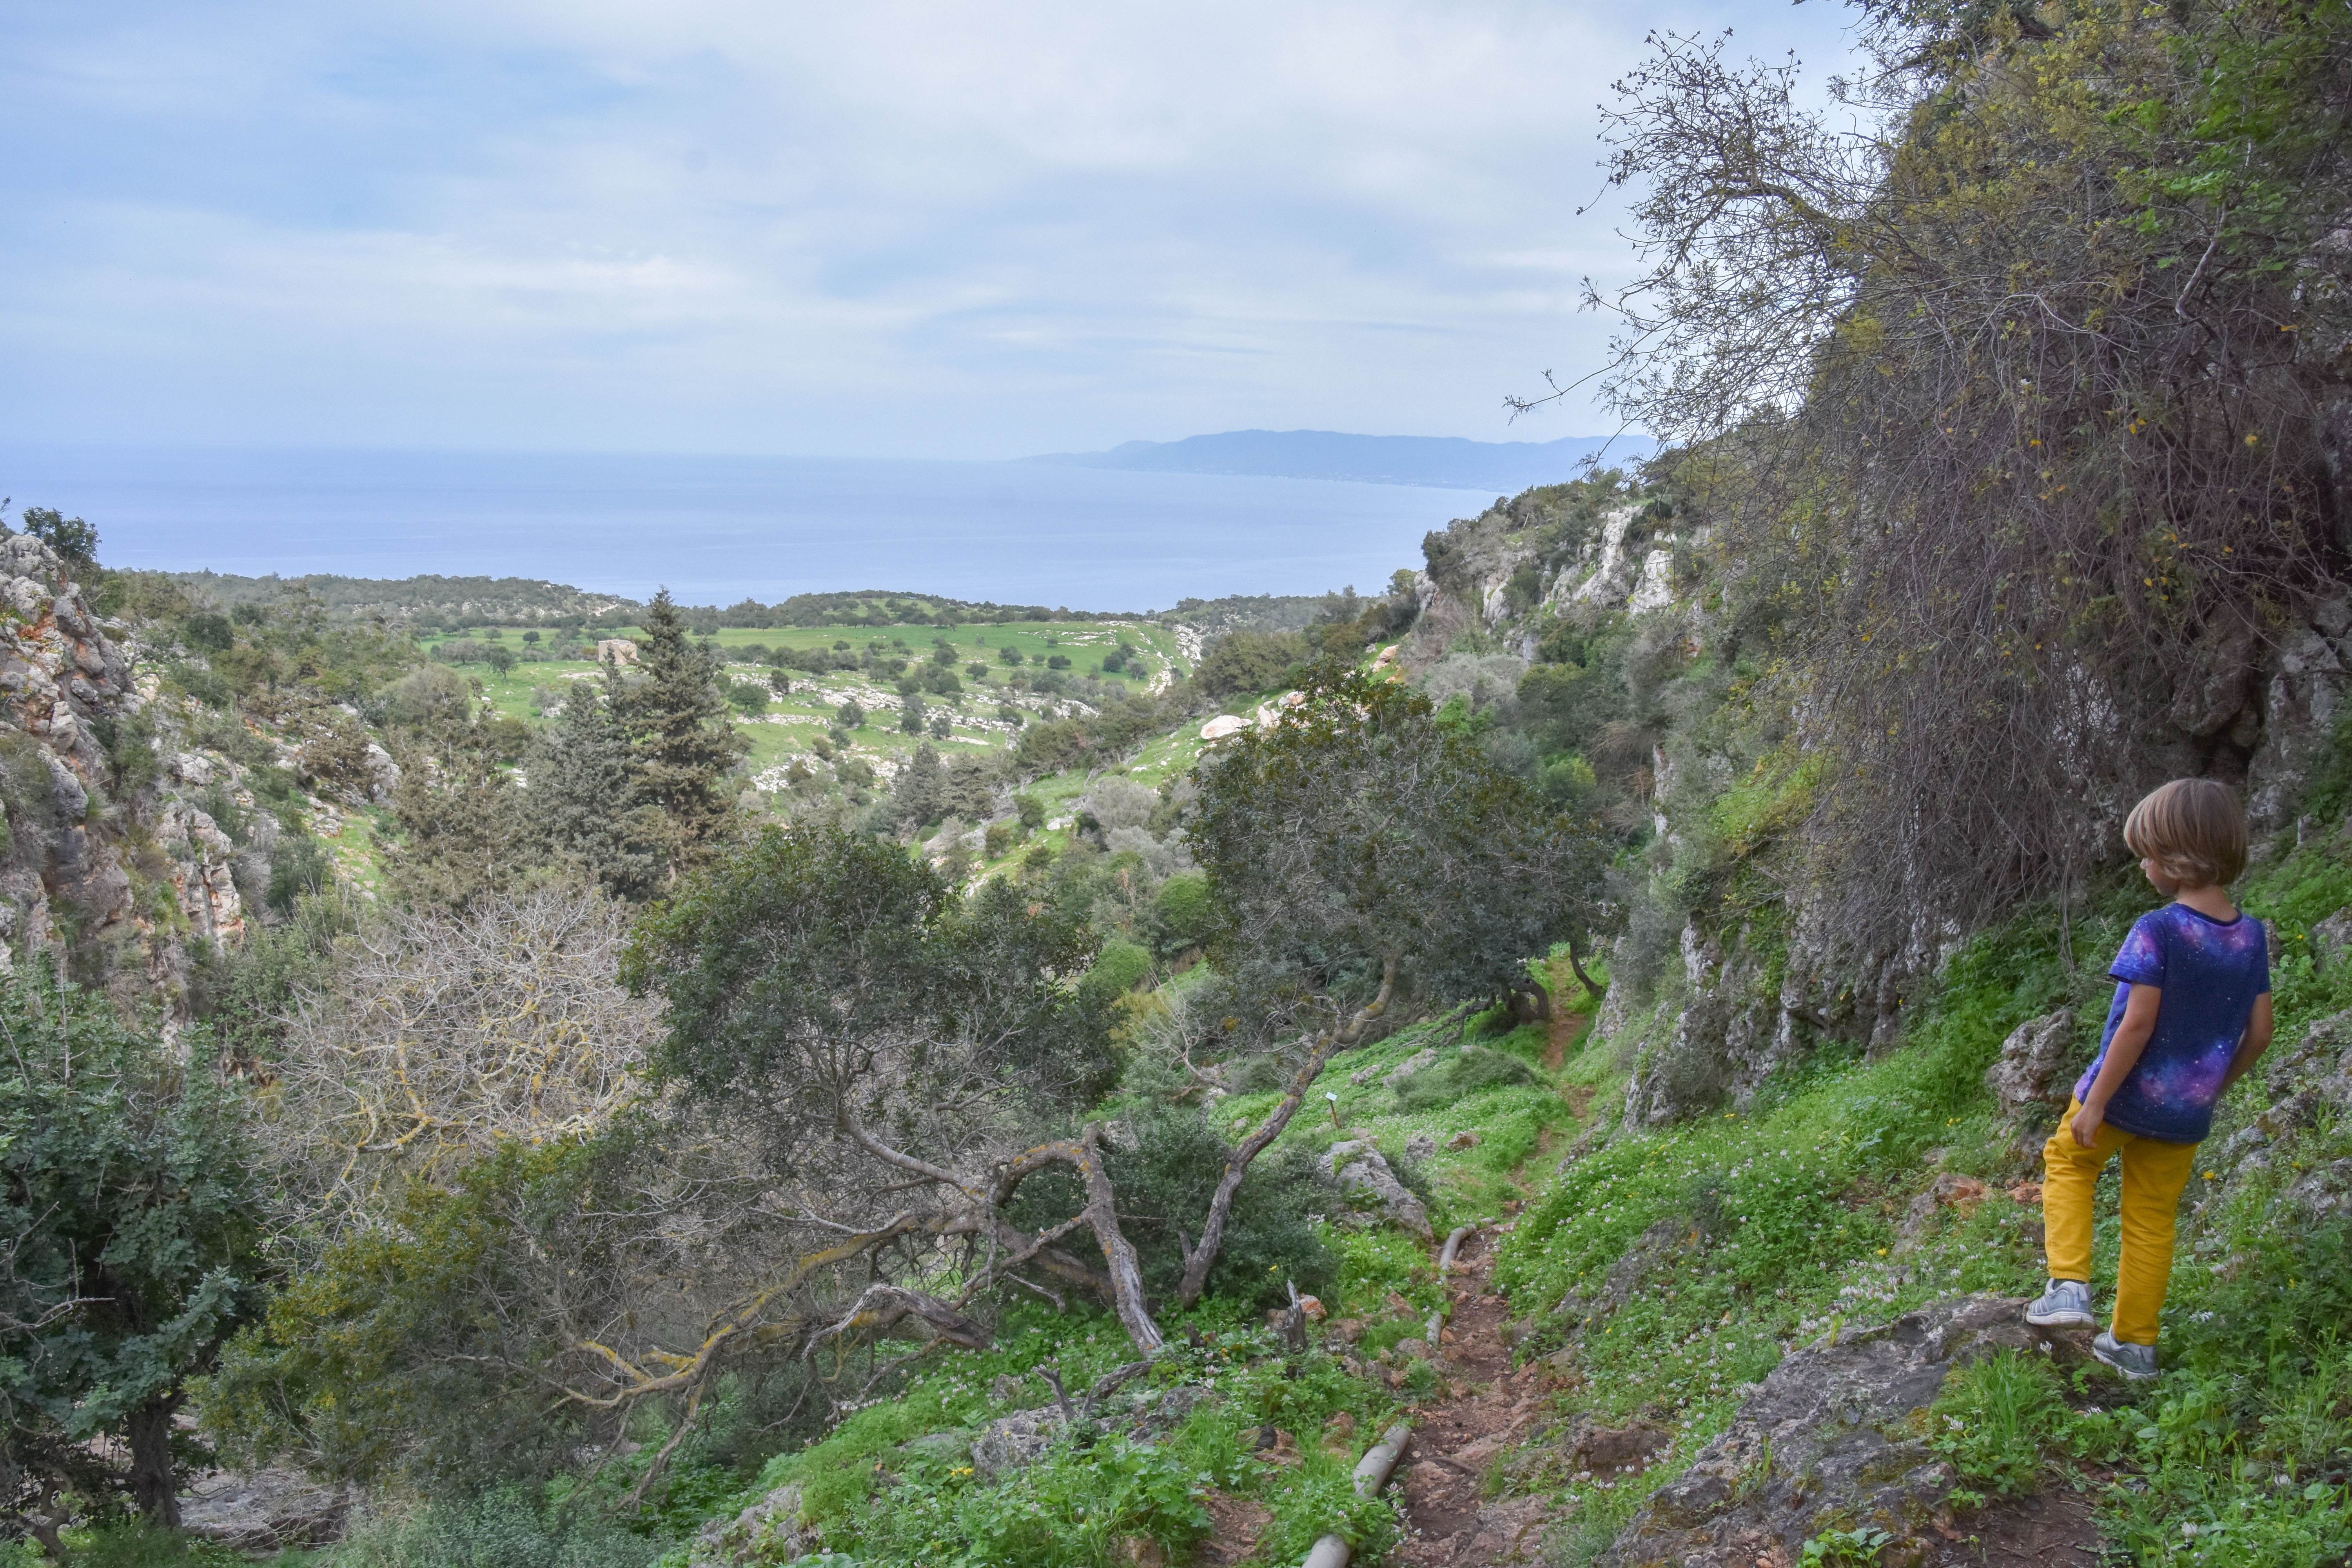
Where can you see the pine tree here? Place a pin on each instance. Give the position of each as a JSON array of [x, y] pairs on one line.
[[921, 793], [583, 797], [678, 732], [460, 817]]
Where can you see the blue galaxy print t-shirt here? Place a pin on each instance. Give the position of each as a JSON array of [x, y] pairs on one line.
[[2209, 972]]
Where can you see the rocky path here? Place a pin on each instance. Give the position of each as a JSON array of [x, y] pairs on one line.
[[1488, 1408]]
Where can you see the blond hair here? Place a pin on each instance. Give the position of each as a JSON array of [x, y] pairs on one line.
[[2193, 829]]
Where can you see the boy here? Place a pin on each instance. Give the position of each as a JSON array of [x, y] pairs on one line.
[[2192, 1016]]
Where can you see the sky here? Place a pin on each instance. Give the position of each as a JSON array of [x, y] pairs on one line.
[[891, 228]]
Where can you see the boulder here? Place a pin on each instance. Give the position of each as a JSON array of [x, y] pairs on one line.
[[1830, 1437], [1465, 1139], [1410, 1065], [619, 650], [769, 1531], [1421, 1146], [1013, 1442], [2331, 939], [2034, 1076], [1364, 1177], [1222, 725], [2310, 1085]]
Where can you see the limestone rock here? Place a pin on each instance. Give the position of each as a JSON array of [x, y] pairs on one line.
[[1421, 1146], [1949, 1191], [2331, 939], [1410, 1065], [1013, 1442], [620, 651], [1222, 725], [2035, 1072], [1363, 1174], [2308, 1084], [1828, 1439], [1590, 1446], [769, 1531]]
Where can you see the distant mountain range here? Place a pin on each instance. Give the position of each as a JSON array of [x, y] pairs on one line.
[[1447, 462]]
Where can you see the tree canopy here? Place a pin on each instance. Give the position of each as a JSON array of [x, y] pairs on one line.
[[132, 1220]]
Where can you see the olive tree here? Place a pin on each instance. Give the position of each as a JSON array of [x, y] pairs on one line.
[[904, 1054], [1357, 851]]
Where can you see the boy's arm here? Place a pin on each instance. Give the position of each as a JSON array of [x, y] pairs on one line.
[[2251, 1048], [2131, 1038]]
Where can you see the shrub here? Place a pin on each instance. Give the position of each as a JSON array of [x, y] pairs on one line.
[[1185, 911], [1473, 1072], [1271, 1236], [1121, 966], [298, 865], [510, 1527], [208, 631]]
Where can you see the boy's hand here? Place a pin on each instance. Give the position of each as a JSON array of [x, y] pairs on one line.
[[2085, 1125]]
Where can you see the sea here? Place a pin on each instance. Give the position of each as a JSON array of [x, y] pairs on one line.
[[718, 530]]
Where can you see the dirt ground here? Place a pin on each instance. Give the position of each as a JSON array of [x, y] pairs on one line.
[[1454, 1439]]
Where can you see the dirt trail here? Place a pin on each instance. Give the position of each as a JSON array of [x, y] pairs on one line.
[[1455, 1439], [1565, 1026]]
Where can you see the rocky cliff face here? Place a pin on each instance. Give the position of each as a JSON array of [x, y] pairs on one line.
[[109, 862], [1741, 995]]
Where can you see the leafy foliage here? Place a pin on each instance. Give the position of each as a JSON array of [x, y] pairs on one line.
[[1357, 831], [133, 1222], [1994, 1420]]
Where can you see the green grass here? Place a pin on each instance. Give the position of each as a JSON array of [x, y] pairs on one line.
[[1788, 1224], [866, 1491]]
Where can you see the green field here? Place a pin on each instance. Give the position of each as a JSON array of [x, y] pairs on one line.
[[784, 731]]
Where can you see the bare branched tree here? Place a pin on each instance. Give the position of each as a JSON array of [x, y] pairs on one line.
[[439, 1036]]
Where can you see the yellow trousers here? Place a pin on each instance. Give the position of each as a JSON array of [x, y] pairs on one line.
[[2154, 1175]]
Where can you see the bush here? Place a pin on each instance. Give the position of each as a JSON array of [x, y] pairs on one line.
[[298, 865], [1121, 966], [1270, 1236], [1250, 661], [511, 1526], [1474, 1071], [208, 631], [1184, 909]]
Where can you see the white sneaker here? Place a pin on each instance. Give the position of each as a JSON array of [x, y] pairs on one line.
[[2065, 1305], [2136, 1362]]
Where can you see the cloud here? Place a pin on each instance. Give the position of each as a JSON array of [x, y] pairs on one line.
[[937, 228]]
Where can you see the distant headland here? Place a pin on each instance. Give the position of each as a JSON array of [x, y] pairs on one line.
[[1444, 461]]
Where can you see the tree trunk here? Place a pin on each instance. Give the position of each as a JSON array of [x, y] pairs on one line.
[[1198, 1261], [1126, 1272], [151, 1484], [1578, 964]]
